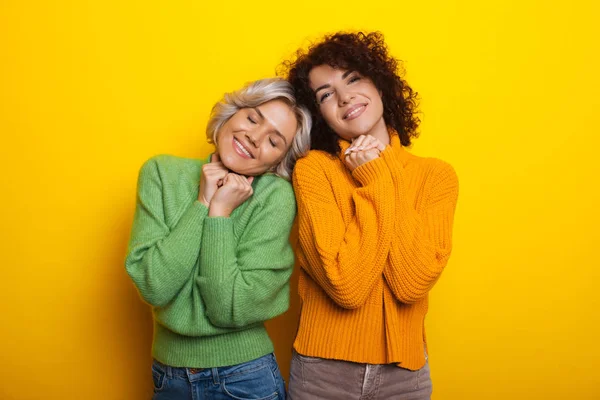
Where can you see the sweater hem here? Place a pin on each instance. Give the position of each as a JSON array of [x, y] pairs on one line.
[[223, 350]]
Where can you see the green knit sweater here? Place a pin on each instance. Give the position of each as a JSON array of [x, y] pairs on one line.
[[212, 282]]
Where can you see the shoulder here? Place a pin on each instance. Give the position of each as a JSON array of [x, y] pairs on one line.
[[316, 159], [435, 166], [168, 162], [442, 172], [316, 167], [441, 179], [167, 167], [432, 169]]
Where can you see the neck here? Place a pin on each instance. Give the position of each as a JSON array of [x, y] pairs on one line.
[[380, 132]]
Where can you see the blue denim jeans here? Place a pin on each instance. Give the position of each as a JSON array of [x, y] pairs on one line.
[[258, 379]]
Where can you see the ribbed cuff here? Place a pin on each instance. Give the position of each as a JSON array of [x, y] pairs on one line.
[[371, 171]]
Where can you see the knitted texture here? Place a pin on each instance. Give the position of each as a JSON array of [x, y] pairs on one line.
[[212, 282], [372, 243]]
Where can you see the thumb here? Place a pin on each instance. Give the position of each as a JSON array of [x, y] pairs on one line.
[[225, 180], [215, 158], [250, 179]]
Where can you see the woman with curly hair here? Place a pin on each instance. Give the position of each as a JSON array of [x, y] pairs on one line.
[[375, 226], [209, 248]]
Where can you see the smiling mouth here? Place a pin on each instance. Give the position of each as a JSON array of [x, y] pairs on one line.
[[241, 149], [355, 112]]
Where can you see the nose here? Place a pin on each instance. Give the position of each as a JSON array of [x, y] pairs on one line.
[[251, 138], [344, 98], [255, 136]]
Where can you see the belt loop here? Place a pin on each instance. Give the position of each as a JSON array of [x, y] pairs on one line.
[[169, 371], [215, 374]]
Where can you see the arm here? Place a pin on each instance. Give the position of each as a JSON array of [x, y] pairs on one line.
[[346, 258], [422, 241], [161, 259], [245, 280]]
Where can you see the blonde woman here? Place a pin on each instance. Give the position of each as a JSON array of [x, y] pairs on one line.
[[209, 248]]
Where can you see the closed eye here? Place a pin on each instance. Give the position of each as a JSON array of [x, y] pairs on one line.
[[325, 96], [251, 120]]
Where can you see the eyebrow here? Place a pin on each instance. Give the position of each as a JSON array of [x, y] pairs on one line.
[[347, 73], [260, 114], [327, 85]]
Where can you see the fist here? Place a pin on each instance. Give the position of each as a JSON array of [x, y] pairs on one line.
[[363, 149], [235, 189], [211, 179]]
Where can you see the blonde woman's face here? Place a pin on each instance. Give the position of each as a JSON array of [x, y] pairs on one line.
[[256, 139]]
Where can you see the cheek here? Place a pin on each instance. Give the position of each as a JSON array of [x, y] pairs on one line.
[[328, 113], [221, 135], [377, 99]]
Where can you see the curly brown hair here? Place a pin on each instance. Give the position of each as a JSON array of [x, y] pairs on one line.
[[367, 54]]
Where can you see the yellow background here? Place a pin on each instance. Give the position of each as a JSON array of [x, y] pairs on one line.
[[91, 89]]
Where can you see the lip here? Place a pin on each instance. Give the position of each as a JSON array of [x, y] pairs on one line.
[[355, 111], [242, 150]]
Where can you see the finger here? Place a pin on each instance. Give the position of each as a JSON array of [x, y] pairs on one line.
[[370, 155], [348, 163], [369, 139], [237, 181], [380, 146], [215, 174], [216, 169], [221, 173], [350, 149], [371, 145], [357, 145], [359, 141], [214, 166], [246, 182], [352, 159]]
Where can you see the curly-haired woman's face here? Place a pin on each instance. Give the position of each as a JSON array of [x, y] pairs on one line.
[[350, 103], [256, 139]]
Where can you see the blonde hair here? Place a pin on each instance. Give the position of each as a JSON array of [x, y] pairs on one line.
[[254, 94]]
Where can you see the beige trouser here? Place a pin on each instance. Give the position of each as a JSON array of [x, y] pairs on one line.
[[317, 378]]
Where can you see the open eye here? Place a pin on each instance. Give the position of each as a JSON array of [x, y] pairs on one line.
[[354, 79]]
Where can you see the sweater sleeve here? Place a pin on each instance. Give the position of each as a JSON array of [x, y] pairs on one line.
[[345, 257], [160, 259], [246, 280], [422, 241]]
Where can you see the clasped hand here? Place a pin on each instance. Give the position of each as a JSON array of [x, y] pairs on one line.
[[221, 190]]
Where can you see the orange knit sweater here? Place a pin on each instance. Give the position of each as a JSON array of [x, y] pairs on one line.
[[372, 243]]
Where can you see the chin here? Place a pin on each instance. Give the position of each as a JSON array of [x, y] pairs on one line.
[[229, 162]]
